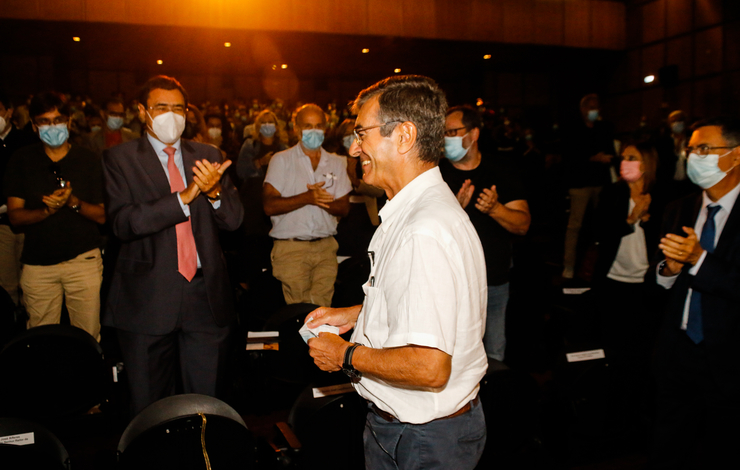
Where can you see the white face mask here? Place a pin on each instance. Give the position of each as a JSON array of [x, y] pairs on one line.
[[214, 133], [168, 127], [3, 124], [705, 172]]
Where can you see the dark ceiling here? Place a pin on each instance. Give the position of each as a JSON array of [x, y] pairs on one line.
[[117, 47]]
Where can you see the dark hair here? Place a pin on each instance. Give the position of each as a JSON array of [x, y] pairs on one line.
[[470, 116], [47, 101], [5, 100], [730, 127], [649, 161], [411, 98], [114, 100], [162, 82], [92, 111]]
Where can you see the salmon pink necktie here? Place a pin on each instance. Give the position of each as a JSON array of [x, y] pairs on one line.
[[187, 257]]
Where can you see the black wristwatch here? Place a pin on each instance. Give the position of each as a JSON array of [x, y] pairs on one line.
[[76, 207], [353, 374], [217, 197]]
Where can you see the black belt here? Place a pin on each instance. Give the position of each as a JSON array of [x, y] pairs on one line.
[[389, 417], [300, 240]]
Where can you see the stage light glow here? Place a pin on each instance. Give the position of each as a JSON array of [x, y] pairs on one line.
[[365, 51], [284, 66], [227, 44], [160, 62], [397, 70], [487, 56], [76, 39], [649, 79]]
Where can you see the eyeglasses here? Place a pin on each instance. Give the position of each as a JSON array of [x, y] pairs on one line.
[[51, 122], [357, 130], [453, 132], [165, 108], [703, 150]]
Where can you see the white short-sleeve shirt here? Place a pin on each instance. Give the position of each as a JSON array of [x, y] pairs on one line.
[[289, 172], [427, 287]]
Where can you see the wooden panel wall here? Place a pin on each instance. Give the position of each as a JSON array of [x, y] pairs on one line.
[[576, 23]]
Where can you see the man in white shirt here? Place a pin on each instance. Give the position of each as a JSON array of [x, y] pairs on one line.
[[416, 354], [698, 353], [306, 188]]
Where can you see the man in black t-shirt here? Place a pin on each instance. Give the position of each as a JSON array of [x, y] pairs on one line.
[[55, 195], [494, 199]]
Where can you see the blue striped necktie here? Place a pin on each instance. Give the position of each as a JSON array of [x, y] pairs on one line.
[[694, 327]]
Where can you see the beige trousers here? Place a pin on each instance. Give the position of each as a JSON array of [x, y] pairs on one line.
[[579, 200], [77, 280], [306, 269], [11, 246]]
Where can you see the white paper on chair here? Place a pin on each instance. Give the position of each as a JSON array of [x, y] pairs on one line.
[[18, 439]]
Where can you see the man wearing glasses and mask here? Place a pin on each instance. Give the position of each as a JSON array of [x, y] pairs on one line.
[[112, 133], [55, 196], [697, 356], [170, 294]]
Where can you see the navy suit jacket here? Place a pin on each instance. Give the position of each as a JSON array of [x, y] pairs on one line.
[[718, 280], [143, 212]]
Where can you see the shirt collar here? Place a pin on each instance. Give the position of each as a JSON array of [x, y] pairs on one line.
[[159, 146], [401, 200], [727, 202]]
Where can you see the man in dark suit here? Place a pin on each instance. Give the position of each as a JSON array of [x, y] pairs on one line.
[[697, 356], [170, 298]]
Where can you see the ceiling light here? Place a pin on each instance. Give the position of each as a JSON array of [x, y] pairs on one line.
[[284, 66], [160, 62], [397, 70], [649, 79], [365, 51], [76, 39], [487, 56], [227, 44], [274, 67]]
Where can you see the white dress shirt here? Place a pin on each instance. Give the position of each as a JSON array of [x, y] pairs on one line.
[[289, 172], [427, 287]]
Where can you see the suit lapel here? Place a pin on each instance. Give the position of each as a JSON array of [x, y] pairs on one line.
[[731, 229], [153, 167], [188, 160]]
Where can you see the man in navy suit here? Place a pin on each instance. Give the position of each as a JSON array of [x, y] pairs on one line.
[[170, 295], [698, 351]]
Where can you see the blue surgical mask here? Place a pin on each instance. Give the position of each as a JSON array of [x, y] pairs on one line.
[[454, 150], [347, 141], [268, 129], [678, 127], [593, 115], [312, 138], [54, 136], [704, 172], [115, 123]]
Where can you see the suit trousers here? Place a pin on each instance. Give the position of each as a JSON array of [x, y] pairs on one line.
[[197, 347], [696, 419], [76, 280], [307, 270]]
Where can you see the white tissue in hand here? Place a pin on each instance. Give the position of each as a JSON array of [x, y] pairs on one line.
[[308, 333]]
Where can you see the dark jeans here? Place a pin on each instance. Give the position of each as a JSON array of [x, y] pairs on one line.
[[454, 443]]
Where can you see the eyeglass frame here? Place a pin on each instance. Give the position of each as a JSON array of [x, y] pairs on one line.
[[704, 149], [53, 122], [356, 130], [166, 108], [455, 130]]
